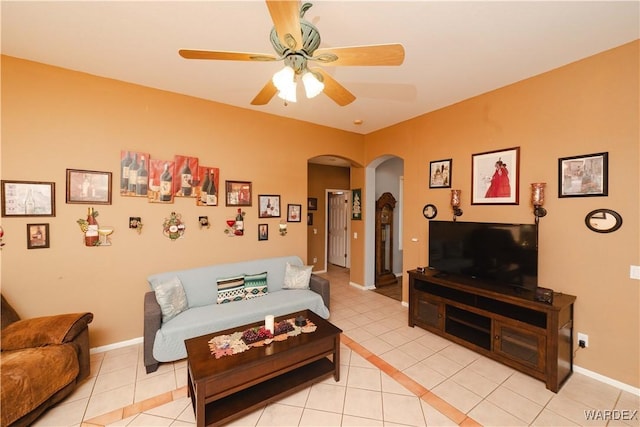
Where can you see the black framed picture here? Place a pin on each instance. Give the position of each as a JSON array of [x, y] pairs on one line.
[[28, 198], [495, 177], [85, 186], [440, 173], [269, 206], [583, 176], [37, 236], [312, 203], [294, 213], [263, 231]]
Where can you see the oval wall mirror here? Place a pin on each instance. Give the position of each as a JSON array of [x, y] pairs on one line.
[[603, 220]]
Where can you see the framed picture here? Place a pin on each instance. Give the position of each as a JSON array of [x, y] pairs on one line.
[[134, 173], [207, 192], [440, 173], [161, 173], [356, 204], [37, 236], [309, 218], [88, 187], [269, 206], [583, 176], [187, 180], [263, 231], [495, 176], [294, 212], [312, 204], [238, 193], [28, 198]]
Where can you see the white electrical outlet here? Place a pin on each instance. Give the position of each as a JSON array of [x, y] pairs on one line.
[[583, 337], [634, 272], [315, 259]]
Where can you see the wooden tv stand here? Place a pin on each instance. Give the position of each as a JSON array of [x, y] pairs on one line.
[[533, 337]]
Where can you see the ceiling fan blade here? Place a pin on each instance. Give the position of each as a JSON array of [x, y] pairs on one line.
[[264, 96], [226, 56], [335, 90], [286, 19], [382, 54]]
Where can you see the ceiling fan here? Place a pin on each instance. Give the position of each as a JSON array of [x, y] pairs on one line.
[[296, 42]]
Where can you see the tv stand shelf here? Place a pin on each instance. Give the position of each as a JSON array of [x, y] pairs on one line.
[[505, 324]]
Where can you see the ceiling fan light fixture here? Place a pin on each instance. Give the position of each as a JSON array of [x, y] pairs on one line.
[[288, 92], [312, 86], [284, 78]]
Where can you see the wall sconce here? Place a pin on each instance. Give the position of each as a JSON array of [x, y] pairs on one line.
[[283, 228], [455, 203], [537, 199]]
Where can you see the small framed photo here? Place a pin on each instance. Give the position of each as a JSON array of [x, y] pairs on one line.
[[495, 176], [88, 187], [263, 231], [294, 213], [135, 222], [583, 176], [356, 204], [238, 193], [312, 204], [269, 205], [440, 173], [37, 236], [309, 218], [28, 198]]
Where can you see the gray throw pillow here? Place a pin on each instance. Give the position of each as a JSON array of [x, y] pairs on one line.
[[297, 277], [171, 297]]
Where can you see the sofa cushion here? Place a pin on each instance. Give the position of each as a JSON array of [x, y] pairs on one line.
[[255, 285], [230, 289], [41, 331], [169, 340], [297, 277], [171, 298], [31, 376]]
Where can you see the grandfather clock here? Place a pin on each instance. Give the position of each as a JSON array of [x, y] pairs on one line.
[[384, 240]]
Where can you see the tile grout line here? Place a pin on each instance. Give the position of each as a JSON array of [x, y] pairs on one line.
[[416, 388]]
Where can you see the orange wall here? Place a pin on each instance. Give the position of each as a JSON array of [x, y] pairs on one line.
[[586, 107], [54, 119]]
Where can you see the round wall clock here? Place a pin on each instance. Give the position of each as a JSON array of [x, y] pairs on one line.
[[429, 211], [603, 220]]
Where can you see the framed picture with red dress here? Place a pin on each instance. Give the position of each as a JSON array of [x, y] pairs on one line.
[[495, 176]]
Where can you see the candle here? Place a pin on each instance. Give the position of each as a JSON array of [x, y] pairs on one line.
[[268, 323], [537, 193], [455, 198]]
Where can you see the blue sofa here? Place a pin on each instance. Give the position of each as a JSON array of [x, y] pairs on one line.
[[164, 341]]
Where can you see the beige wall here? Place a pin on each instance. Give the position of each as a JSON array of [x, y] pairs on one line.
[[586, 107], [54, 119]]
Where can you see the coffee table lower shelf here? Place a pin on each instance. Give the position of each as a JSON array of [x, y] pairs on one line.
[[234, 406]]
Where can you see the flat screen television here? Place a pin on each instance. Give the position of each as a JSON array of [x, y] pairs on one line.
[[500, 254]]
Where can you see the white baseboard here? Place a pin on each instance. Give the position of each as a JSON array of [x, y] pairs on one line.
[[116, 345], [606, 380], [362, 288]]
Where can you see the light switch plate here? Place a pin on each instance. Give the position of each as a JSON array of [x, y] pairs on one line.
[[634, 272]]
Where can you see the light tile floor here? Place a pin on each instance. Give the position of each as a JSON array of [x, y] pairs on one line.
[[391, 375]]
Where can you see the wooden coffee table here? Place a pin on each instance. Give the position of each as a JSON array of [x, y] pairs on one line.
[[224, 389]]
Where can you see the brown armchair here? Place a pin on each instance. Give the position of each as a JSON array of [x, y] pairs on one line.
[[41, 362]]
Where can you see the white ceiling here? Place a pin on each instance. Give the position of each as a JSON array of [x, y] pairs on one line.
[[454, 49]]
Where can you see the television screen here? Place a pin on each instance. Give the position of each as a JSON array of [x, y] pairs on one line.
[[506, 254]]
